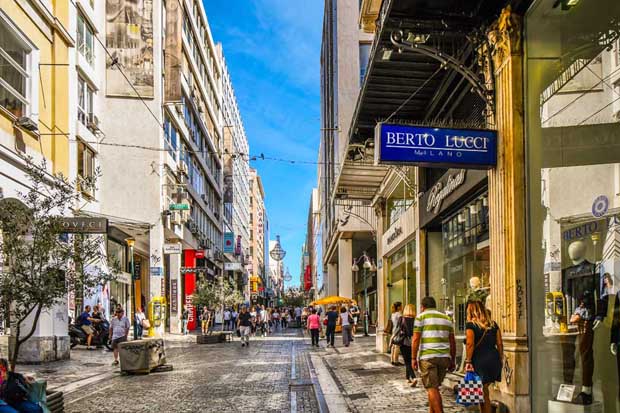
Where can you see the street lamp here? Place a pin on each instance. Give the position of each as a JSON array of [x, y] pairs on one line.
[[130, 243], [367, 265]]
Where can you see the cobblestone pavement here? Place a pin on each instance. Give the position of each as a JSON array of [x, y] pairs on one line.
[[213, 378], [369, 383], [280, 373]]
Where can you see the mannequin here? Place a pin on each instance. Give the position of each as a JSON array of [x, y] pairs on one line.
[[477, 292], [581, 288]]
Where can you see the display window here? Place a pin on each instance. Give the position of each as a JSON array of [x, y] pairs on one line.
[[461, 261], [573, 169], [401, 276]]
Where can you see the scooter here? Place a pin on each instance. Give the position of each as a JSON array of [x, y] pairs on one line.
[[100, 338]]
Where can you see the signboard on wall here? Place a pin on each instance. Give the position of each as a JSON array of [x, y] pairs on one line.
[[173, 248], [427, 146], [84, 225], [448, 189], [129, 40], [174, 291], [229, 243], [173, 52]]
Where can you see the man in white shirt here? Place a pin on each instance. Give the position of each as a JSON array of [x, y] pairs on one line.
[[119, 329], [227, 317], [298, 316]]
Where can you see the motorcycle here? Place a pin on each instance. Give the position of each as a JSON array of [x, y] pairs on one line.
[[100, 338]]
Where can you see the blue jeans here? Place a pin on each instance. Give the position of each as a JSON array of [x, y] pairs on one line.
[[184, 328], [21, 407]]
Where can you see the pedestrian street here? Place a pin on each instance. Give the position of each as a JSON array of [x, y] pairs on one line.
[[279, 373]]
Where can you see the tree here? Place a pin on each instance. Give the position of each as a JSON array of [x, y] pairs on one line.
[[293, 297], [40, 263], [216, 292]]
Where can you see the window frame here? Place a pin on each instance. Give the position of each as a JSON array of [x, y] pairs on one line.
[[87, 91], [81, 48], [82, 148], [31, 71]]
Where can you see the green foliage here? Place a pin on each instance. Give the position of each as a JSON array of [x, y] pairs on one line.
[[293, 297], [215, 292], [40, 265]]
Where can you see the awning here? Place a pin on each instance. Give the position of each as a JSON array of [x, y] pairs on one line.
[[431, 84]]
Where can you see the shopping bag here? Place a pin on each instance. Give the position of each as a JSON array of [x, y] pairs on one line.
[[470, 390]]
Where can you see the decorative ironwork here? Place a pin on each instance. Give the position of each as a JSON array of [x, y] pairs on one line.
[[277, 253]]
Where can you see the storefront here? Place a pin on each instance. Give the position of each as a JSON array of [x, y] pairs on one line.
[[454, 216], [399, 260], [573, 167]]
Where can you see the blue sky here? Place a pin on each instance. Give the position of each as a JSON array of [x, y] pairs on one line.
[[272, 49]]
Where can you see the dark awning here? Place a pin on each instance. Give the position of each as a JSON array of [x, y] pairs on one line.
[[413, 86]]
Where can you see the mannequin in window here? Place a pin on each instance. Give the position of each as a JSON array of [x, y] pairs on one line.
[[581, 284], [477, 292]]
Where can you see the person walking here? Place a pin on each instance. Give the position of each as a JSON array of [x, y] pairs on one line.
[[345, 322], [119, 329], [284, 316], [314, 325], [484, 348], [433, 350], [405, 330], [227, 319], [332, 320], [254, 317], [86, 322], [184, 320], [244, 324], [139, 320], [205, 318], [355, 314], [233, 319], [394, 317]]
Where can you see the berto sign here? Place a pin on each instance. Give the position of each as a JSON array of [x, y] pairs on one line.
[[417, 145]]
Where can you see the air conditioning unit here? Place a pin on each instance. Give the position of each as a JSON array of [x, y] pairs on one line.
[[182, 168], [93, 122], [193, 228], [175, 218], [179, 108], [26, 123]]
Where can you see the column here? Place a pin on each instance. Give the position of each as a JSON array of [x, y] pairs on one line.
[[381, 340], [507, 210], [332, 279], [345, 262]]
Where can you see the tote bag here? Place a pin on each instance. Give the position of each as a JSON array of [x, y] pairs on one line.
[[470, 390]]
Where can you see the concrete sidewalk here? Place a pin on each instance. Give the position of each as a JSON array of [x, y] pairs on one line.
[[363, 380], [86, 368]]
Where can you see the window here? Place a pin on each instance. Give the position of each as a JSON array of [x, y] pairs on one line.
[[85, 101], [85, 164], [14, 68], [85, 40], [170, 140], [364, 57]]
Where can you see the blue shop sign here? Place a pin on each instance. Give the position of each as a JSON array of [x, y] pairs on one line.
[[427, 146], [229, 243]]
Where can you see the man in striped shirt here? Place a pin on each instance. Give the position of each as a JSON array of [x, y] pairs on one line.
[[433, 350]]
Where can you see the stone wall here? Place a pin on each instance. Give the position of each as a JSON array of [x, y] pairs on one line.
[[38, 349]]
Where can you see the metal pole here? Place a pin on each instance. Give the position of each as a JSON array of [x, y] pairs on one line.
[[133, 294], [366, 312]]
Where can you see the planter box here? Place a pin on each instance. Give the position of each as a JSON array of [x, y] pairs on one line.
[[142, 356]]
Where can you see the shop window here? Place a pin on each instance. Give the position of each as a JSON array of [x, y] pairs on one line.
[[15, 70], [85, 40], [573, 137], [466, 260], [401, 276]]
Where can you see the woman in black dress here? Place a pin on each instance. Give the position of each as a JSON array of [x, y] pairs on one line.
[[484, 348]]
